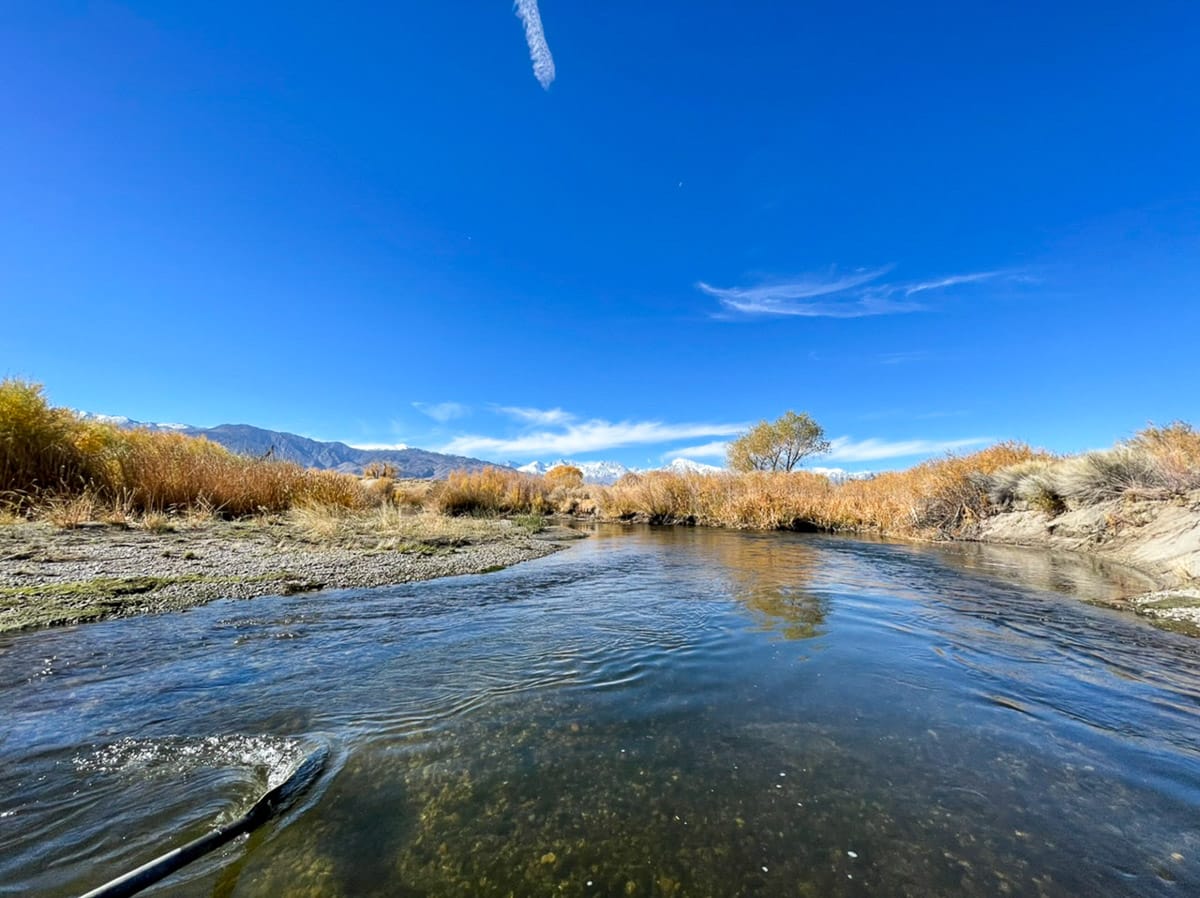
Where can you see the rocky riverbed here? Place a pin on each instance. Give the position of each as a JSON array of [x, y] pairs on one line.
[[52, 576]]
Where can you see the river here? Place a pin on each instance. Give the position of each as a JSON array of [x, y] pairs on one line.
[[650, 712]]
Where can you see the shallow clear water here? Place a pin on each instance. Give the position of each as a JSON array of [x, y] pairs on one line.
[[652, 712]]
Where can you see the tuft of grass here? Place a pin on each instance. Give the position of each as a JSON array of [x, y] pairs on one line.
[[531, 523], [1157, 463], [411, 495], [68, 512], [1096, 476], [317, 522], [156, 522], [1174, 453]]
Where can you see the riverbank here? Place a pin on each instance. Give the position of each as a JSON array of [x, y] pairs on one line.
[[1158, 537], [51, 576]]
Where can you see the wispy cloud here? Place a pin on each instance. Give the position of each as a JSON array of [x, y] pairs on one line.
[[539, 50], [848, 450], [377, 446], [952, 281], [903, 358], [794, 297], [543, 416], [716, 449], [856, 295], [585, 436], [442, 411]]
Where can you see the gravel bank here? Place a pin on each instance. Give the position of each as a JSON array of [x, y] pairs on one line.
[[50, 576]]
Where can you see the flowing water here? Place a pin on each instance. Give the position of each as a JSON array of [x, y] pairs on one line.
[[651, 712]]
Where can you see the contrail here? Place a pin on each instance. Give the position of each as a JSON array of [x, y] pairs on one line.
[[539, 51]]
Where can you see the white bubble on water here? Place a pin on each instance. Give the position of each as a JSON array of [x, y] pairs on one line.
[[175, 756]]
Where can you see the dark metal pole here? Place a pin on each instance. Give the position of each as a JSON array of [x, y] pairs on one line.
[[271, 804]]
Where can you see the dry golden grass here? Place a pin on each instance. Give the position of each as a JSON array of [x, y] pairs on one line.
[[68, 512], [387, 527], [1174, 451], [757, 500], [1157, 463], [491, 491], [37, 451], [411, 494], [938, 496], [72, 468]]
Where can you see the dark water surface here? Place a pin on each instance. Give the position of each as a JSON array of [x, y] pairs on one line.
[[674, 712]]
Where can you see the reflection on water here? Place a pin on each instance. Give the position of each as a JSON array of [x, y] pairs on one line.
[[655, 712], [770, 576]]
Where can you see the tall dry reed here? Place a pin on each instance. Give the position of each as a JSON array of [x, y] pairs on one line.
[[491, 491], [48, 455]]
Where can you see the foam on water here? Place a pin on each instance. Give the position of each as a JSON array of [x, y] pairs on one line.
[[178, 756]]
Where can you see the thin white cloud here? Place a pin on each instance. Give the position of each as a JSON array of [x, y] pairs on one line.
[[543, 416], [378, 446], [716, 449], [587, 436], [903, 358], [789, 297], [848, 450], [535, 36], [857, 295], [442, 411], [952, 281]]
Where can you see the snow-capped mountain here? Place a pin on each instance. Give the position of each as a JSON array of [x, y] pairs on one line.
[[687, 466], [608, 472], [129, 423], [840, 475]]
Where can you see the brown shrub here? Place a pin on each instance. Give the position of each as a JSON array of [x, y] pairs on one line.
[[491, 491]]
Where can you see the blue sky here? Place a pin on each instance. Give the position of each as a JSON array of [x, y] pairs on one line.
[[929, 225]]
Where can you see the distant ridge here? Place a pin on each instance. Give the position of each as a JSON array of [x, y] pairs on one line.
[[245, 439]]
